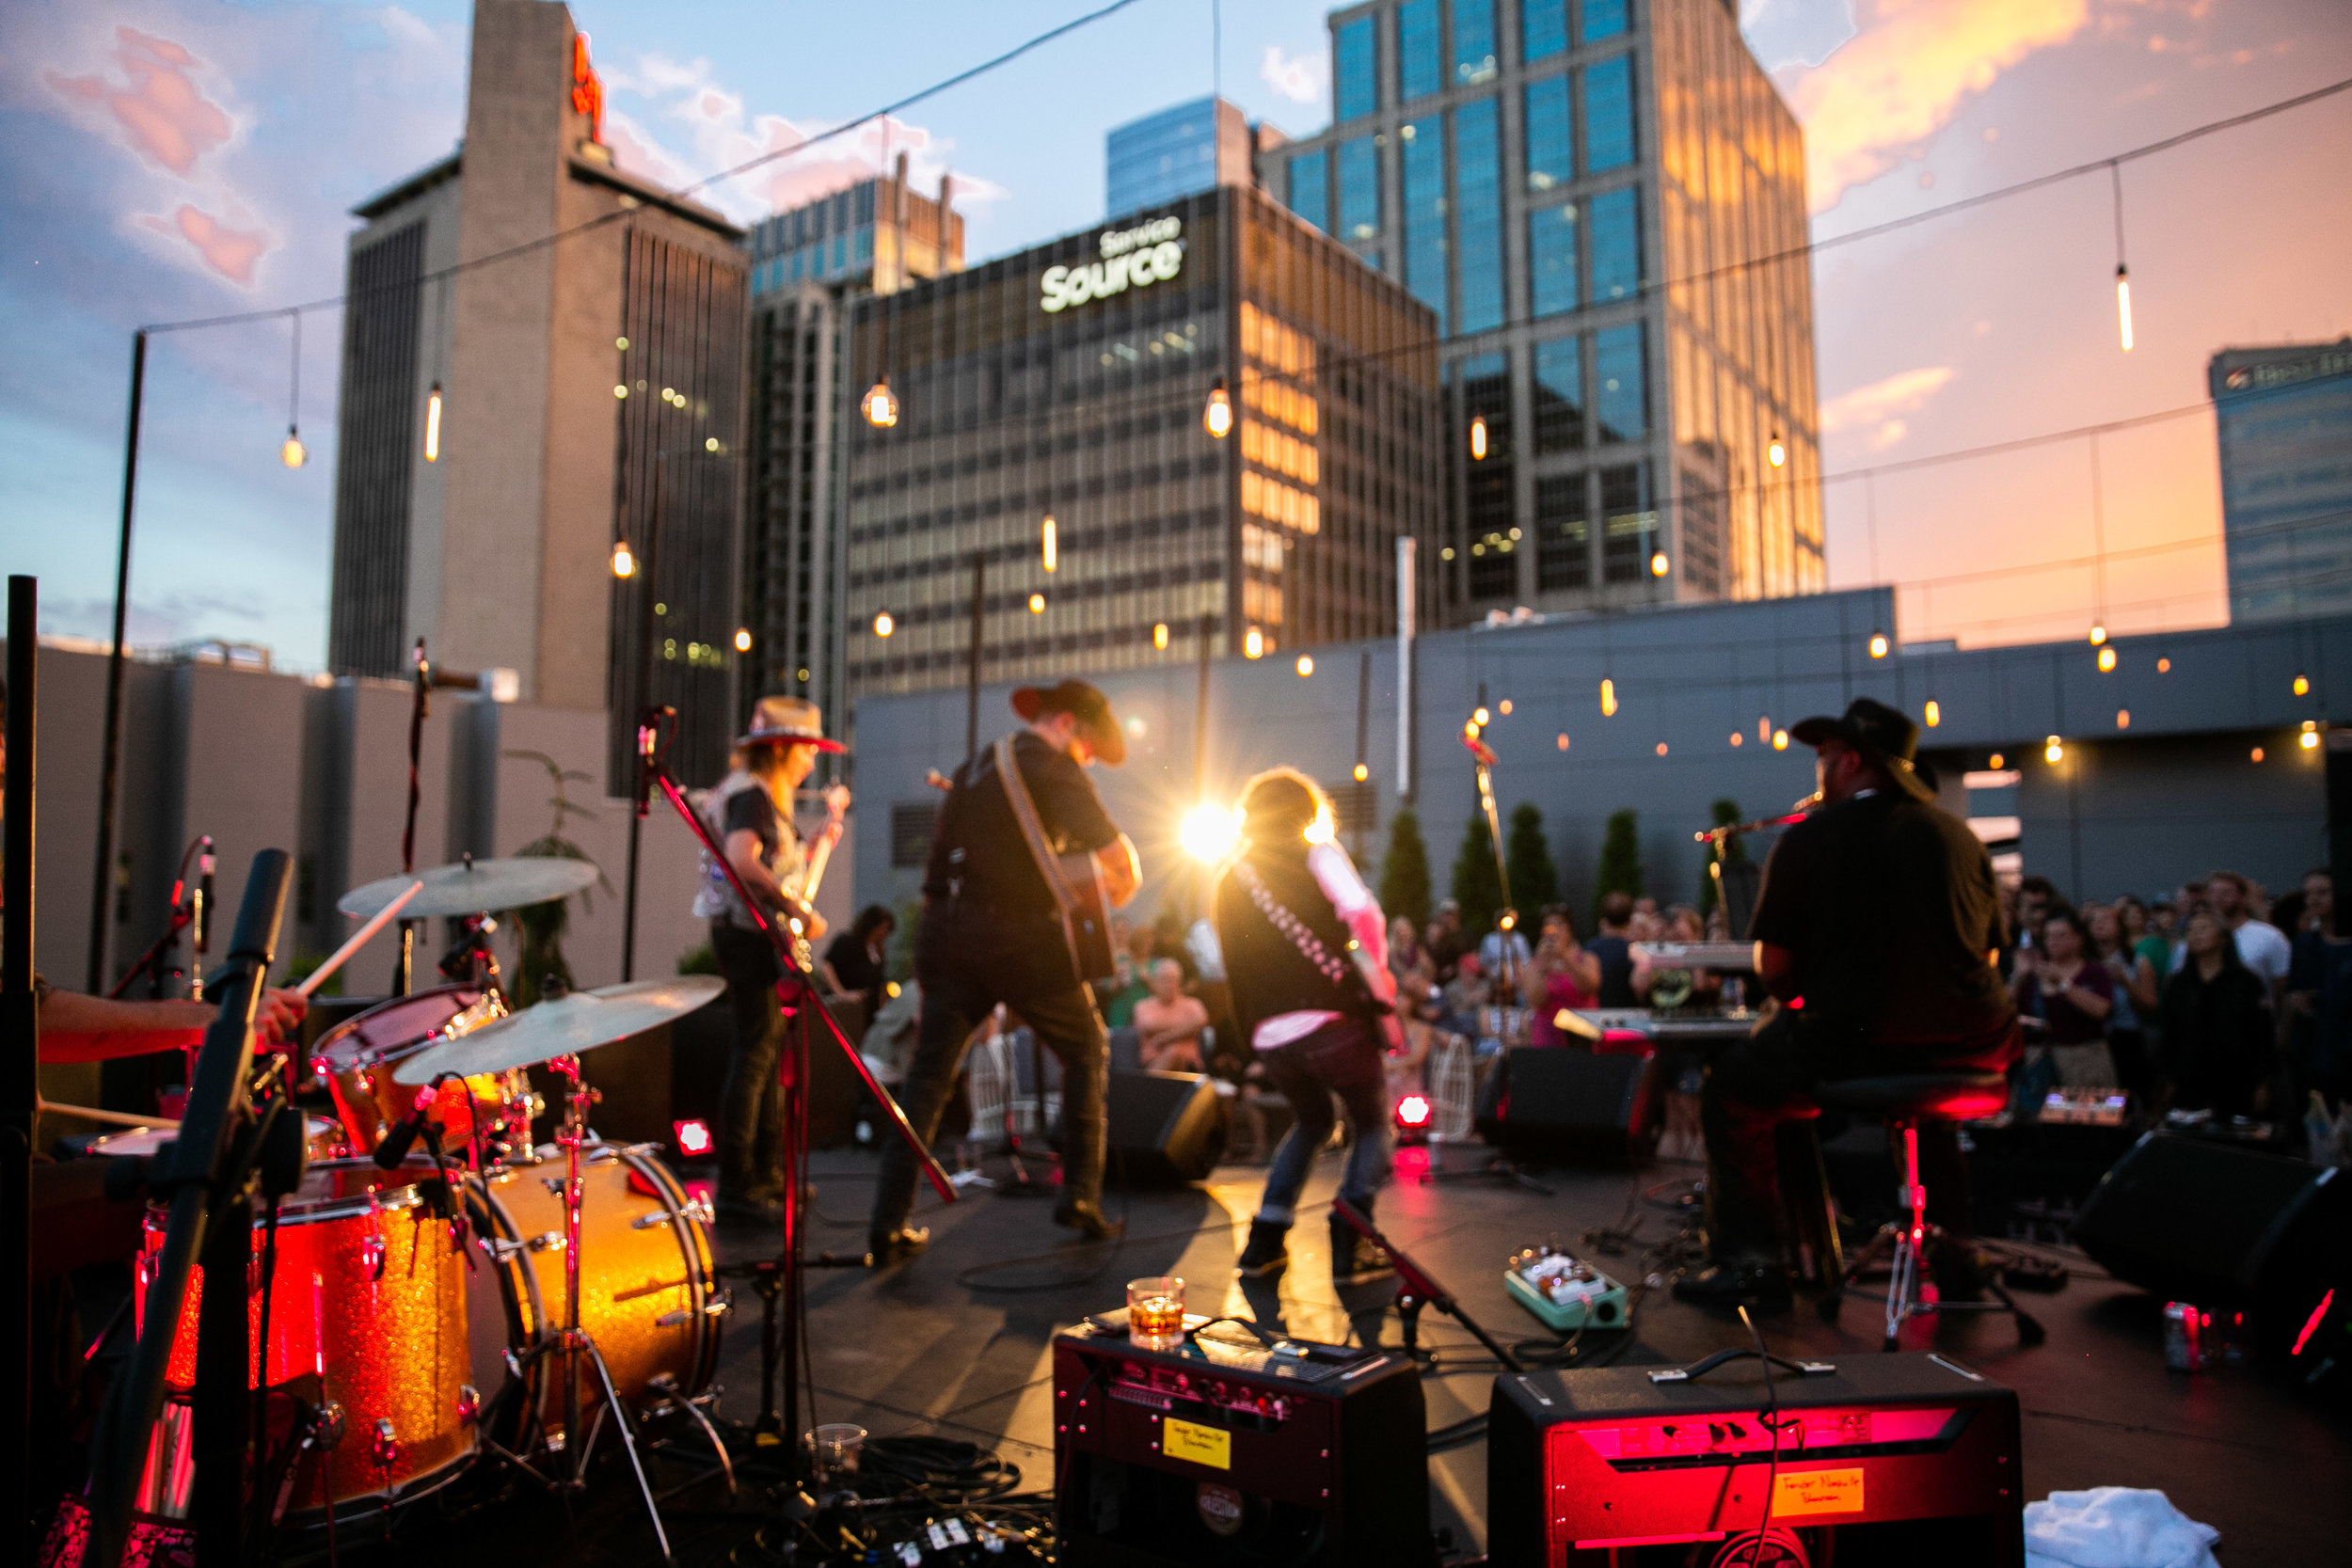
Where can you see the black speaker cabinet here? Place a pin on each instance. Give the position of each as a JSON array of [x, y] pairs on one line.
[[1554, 1103], [2205, 1221], [1166, 1128]]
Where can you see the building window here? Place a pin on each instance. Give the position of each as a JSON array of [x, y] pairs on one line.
[[1551, 260], [1560, 396], [1484, 385], [1609, 114], [1603, 19], [1563, 533], [1356, 90], [1550, 134], [1360, 191], [1478, 197], [1702, 533], [1424, 215], [1615, 218], [1420, 64], [1473, 41], [1310, 188], [1621, 404], [1543, 30], [1628, 523]]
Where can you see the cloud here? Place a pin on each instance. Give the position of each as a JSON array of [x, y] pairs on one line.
[[1906, 74], [1796, 32], [229, 252], [1874, 407], [161, 113], [1297, 77]]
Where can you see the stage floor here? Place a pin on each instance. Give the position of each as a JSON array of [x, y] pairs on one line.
[[948, 1343]]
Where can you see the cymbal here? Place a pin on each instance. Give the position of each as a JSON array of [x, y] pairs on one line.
[[474, 887], [578, 1023]]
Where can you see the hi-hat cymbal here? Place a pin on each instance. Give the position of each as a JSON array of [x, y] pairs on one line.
[[473, 887], [578, 1023]]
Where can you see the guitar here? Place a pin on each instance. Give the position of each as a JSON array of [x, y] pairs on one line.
[[1075, 880], [836, 806], [1382, 985]]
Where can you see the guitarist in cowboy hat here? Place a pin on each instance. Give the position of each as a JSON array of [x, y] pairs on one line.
[[992, 932]]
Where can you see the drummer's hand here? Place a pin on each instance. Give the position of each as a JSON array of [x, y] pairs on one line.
[[278, 1019]]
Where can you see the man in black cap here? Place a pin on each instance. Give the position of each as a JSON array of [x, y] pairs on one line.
[[992, 933], [1878, 929]]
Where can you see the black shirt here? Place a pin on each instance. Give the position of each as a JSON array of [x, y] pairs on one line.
[[751, 811], [978, 852], [1890, 909], [1617, 970], [856, 968]]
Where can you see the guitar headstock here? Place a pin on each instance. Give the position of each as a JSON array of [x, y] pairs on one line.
[[836, 801]]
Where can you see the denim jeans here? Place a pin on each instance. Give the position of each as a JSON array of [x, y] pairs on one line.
[[1366, 1101], [968, 962], [751, 1111]]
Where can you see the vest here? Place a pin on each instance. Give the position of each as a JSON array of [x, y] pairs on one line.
[[1270, 976]]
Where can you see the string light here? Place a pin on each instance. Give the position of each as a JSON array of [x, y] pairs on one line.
[[1994, 761], [2257, 754], [624, 563], [1608, 698], [1662, 747], [1763, 729], [292, 453], [1046, 544], [1478, 438], [1218, 418], [1037, 604], [1482, 718], [1363, 772], [1879, 645], [742, 639], [2164, 667], [1253, 644], [2123, 273], [1562, 742], [883, 625], [880, 406], [1659, 564], [1737, 738], [1780, 740], [2098, 633], [2052, 751], [1159, 635], [2122, 719], [2106, 660], [2302, 684], [1503, 707], [1935, 713], [2310, 736], [1777, 454], [432, 424], [1306, 666]]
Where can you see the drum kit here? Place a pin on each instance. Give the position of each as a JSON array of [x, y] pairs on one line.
[[485, 1299]]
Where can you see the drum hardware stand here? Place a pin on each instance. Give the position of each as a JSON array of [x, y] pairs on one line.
[[798, 995], [1416, 1288], [672, 1397]]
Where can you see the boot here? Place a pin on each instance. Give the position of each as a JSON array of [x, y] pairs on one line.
[[1354, 1258], [1265, 1256]]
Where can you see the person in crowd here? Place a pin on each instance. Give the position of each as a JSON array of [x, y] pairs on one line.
[[2319, 993], [1460, 999], [1168, 1023], [1880, 910], [1675, 985], [1445, 941], [1132, 982], [2071, 991], [1504, 954], [1613, 947], [1561, 976], [855, 964], [2147, 941], [2261, 946], [2164, 923], [2036, 898], [1288, 904], [1406, 950], [2137, 987], [2218, 1032]]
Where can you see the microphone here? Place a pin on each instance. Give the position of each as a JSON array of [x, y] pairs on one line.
[[394, 1151]]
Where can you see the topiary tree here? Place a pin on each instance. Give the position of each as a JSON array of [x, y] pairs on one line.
[[1726, 813], [1404, 871], [1620, 861], [1477, 886], [1528, 858]]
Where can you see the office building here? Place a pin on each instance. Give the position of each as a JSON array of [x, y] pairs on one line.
[[505, 425], [1586, 192], [1177, 152], [2284, 418], [875, 237], [1069, 382]]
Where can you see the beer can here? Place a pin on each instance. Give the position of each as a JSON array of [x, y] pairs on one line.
[[2185, 1346]]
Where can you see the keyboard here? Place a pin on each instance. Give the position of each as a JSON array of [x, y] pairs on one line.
[[1672, 1026], [1698, 955]]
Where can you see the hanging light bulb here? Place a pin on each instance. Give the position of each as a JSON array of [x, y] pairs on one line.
[[1253, 644], [1659, 564], [1046, 544], [1159, 635], [1778, 452], [883, 625], [1482, 718], [2122, 719], [1306, 666], [881, 405], [742, 639], [2302, 684], [2123, 304], [1608, 698], [1478, 438], [624, 562], [2106, 660], [293, 454], [1780, 740], [1879, 644], [432, 424], [1218, 418], [2098, 633], [1037, 604], [1935, 713], [2052, 751], [2310, 740], [1363, 772]]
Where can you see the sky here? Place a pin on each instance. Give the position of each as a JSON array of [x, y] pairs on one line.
[[176, 159]]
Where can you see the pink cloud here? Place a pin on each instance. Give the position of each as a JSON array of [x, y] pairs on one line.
[[160, 110], [229, 252]]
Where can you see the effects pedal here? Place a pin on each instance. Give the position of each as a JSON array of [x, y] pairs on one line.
[[1564, 1293]]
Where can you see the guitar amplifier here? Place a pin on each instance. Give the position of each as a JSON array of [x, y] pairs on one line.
[[1235, 1452], [1882, 1459]]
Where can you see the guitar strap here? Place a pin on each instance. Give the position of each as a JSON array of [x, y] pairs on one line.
[[1041, 852]]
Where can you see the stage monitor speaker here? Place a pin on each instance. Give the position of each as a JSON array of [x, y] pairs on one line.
[[1549, 1102], [2206, 1221], [1882, 1461], [1166, 1128]]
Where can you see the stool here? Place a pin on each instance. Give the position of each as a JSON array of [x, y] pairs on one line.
[[1903, 1104]]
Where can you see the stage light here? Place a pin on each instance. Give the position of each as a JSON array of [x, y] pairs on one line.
[[1208, 833], [883, 625], [1482, 718], [1048, 555], [2098, 633], [1159, 635], [1935, 713], [624, 563], [2052, 751], [1412, 1110], [1659, 564], [1363, 772], [432, 424], [742, 639], [1608, 698], [2302, 684], [1879, 644], [1777, 454], [1478, 438], [1780, 740], [1306, 666], [1253, 644], [880, 406], [1037, 604], [2106, 660], [1218, 418], [691, 1138], [293, 454], [2123, 304]]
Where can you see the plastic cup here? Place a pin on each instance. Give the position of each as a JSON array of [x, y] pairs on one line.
[[1156, 1312], [833, 1449]]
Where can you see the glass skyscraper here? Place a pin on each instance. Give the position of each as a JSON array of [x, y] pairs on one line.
[[2284, 418], [1191, 147], [1589, 195]]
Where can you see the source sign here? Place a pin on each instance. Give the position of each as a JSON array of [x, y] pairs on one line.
[[1132, 258]]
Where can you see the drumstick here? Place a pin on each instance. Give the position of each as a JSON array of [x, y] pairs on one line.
[[359, 939], [92, 1113]]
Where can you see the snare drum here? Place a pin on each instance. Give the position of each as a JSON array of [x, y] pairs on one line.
[[368, 1293], [357, 1058], [322, 1140], [649, 1291]]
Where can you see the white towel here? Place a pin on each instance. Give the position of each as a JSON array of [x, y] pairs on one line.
[[2115, 1526]]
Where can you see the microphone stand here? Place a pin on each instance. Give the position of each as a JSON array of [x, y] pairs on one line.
[[404, 966], [781, 1282]]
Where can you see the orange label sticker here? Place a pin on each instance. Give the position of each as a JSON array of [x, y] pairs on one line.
[[1803, 1492], [1210, 1445]]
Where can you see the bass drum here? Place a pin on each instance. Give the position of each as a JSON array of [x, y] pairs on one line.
[[648, 1282], [357, 1056]]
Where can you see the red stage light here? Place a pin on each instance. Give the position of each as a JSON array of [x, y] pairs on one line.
[[1412, 1110], [2312, 1322], [693, 1137]]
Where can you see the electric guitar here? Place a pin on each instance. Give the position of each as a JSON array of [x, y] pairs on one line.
[[836, 806]]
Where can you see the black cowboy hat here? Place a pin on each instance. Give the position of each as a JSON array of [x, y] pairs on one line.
[[1880, 734], [1089, 706]]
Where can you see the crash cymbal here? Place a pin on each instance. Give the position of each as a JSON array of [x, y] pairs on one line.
[[474, 887], [578, 1023]]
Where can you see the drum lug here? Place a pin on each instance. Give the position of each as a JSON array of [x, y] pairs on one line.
[[720, 1304], [547, 1240], [673, 1318], [326, 1427], [693, 1209], [469, 1403], [499, 1251], [373, 1252], [384, 1447]]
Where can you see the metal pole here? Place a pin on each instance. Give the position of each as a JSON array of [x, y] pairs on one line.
[[102, 879], [1405, 561], [642, 793], [19, 1051], [1361, 773], [971, 688]]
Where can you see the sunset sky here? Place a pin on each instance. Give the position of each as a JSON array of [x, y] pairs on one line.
[[170, 159]]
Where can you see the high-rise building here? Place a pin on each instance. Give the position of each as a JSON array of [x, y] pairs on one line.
[[1060, 394], [1176, 153], [1603, 201], [2284, 418], [543, 357], [875, 237]]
